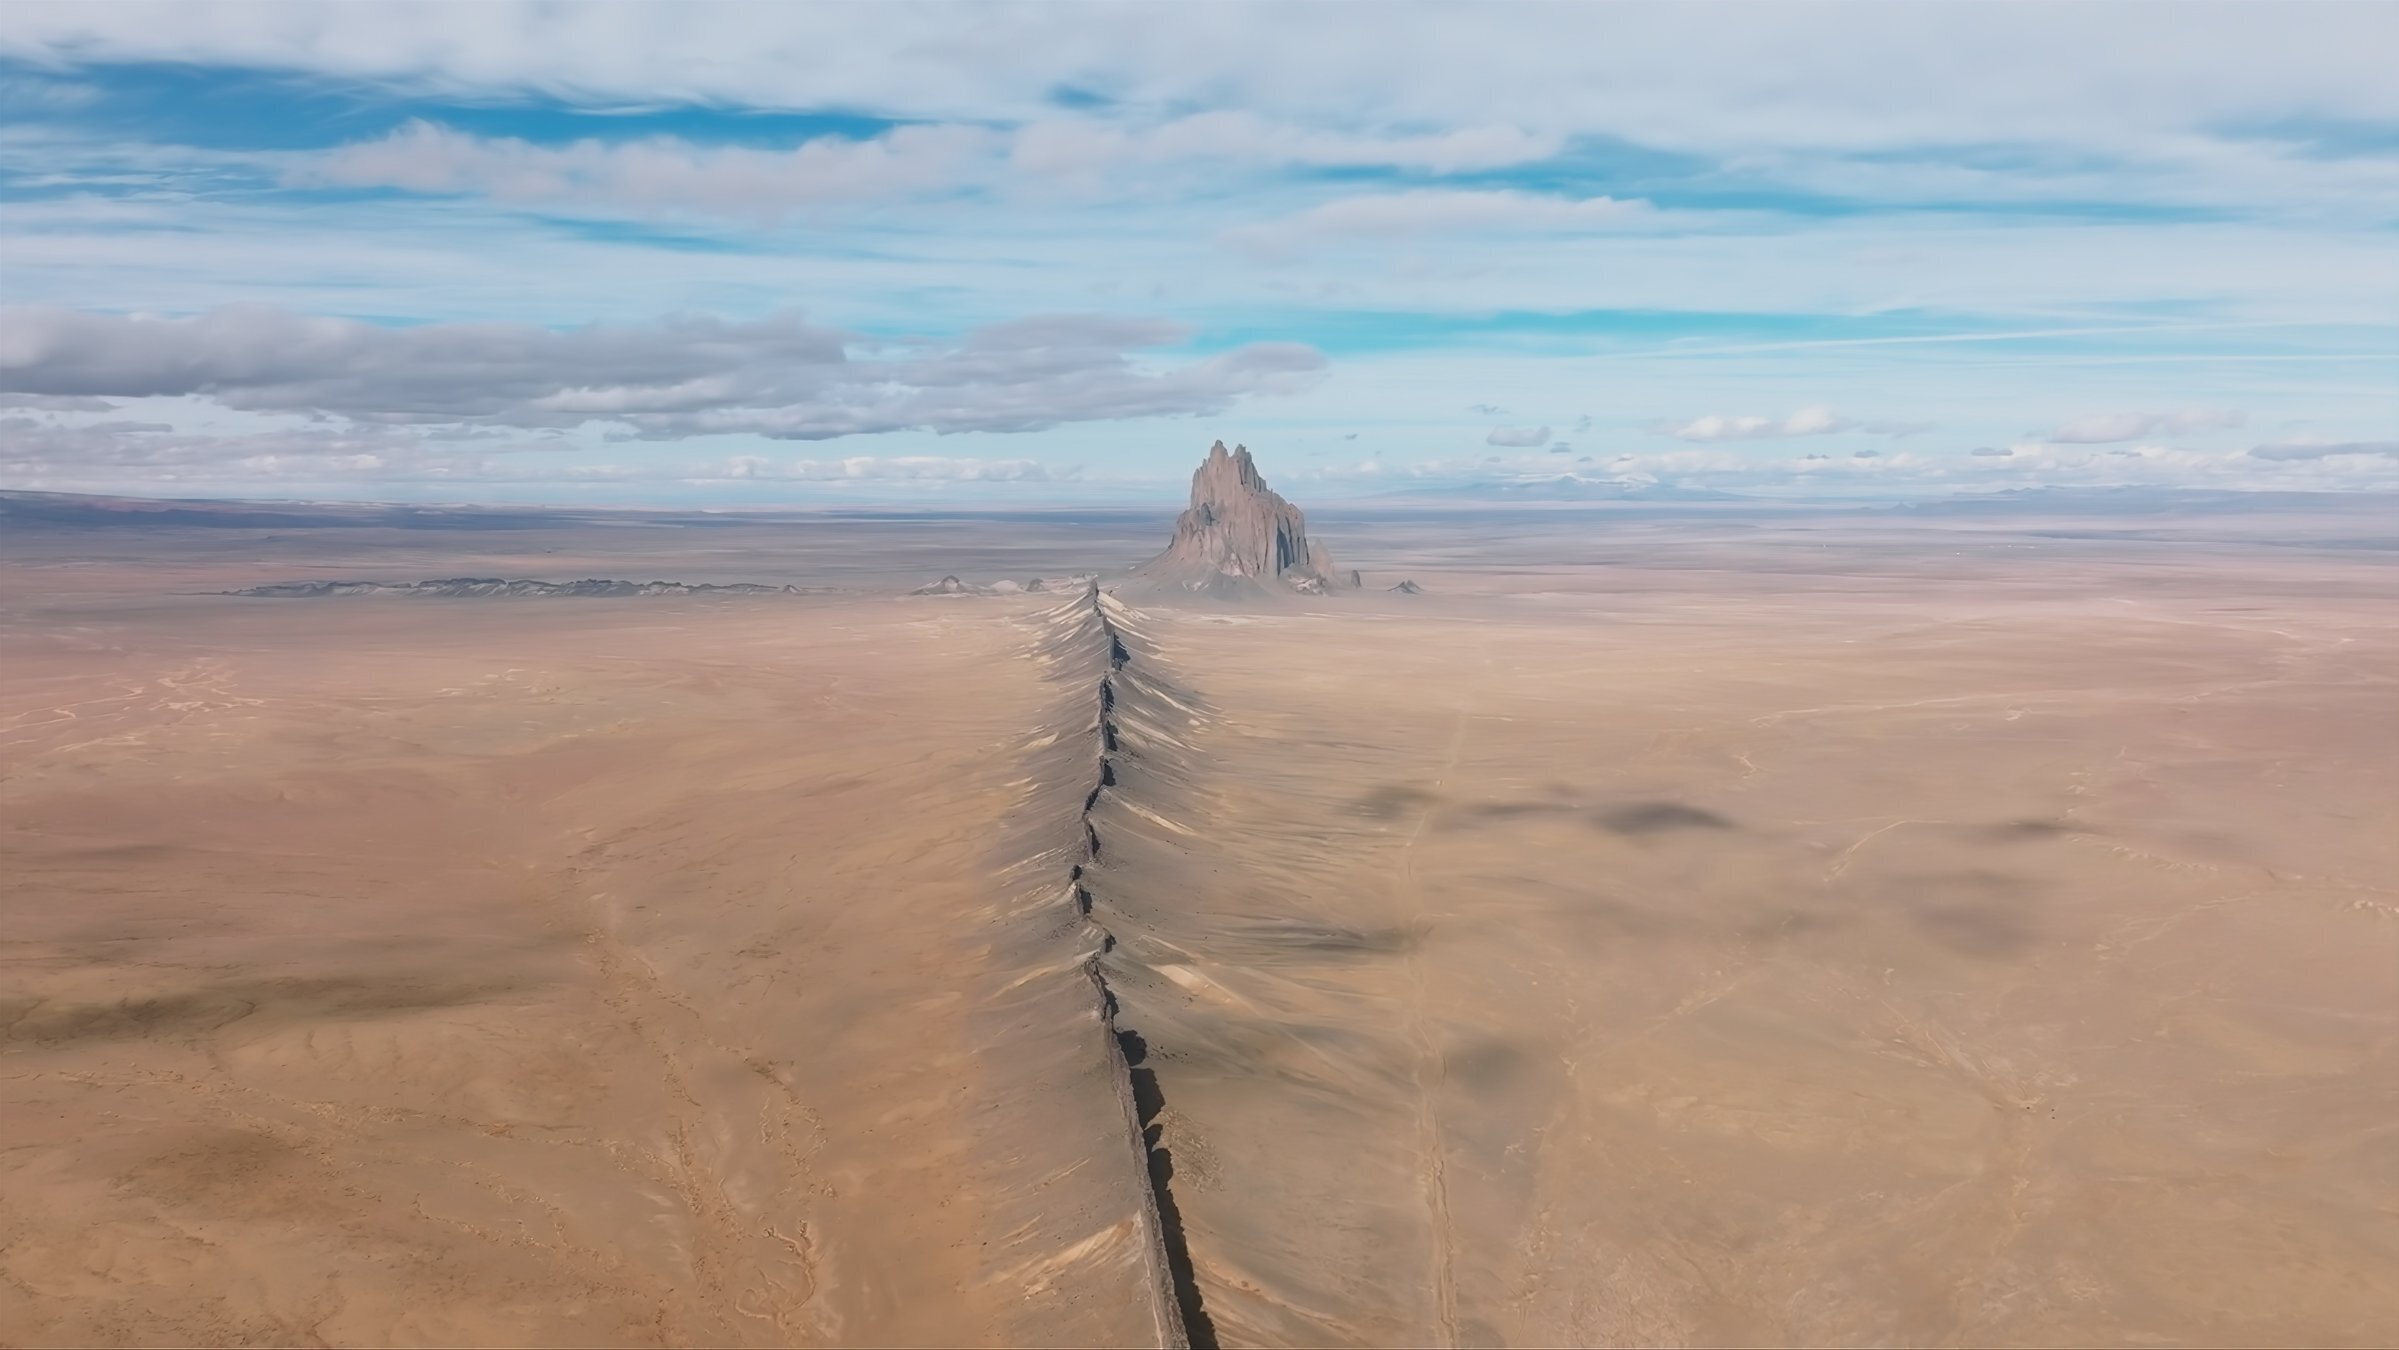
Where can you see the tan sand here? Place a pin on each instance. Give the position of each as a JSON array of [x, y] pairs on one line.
[[1861, 957], [544, 973], [1790, 928]]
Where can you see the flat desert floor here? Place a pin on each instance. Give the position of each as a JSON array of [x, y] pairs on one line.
[[1702, 927]]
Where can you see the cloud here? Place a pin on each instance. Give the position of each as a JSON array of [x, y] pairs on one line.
[[670, 174], [56, 403], [682, 376], [1815, 238], [1487, 409], [1990, 452], [658, 174], [2109, 428], [25, 93], [1515, 437], [156, 452], [909, 468], [2293, 451], [1809, 421], [1815, 420], [1979, 76], [43, 451], [1085, 146], [1431, 211]]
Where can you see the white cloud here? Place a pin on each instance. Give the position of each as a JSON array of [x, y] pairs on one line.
[[672, 175], [910, 468], [33, 451], [1814, 420], [659, 174], [1516, 437], [1085, 145], [293, 452], [2110, 428], [1200, 134], [2296, 451], [1407, 215], [778, 377], [2369, 466], [1980, 75]]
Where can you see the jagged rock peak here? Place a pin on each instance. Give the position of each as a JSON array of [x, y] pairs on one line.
[[1239, 534]]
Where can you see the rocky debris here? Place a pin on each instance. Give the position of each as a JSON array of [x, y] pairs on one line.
[[1408, 588], [1035, 585], [477, 587], [1240, 537]]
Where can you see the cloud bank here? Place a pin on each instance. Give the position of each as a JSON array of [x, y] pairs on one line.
[[2110, 428], [779, 377], [1517, 436], [674, 175], [1815, 420]]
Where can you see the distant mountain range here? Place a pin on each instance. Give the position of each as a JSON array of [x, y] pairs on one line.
[[477, 587]]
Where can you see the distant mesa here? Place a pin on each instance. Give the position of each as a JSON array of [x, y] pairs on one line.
[[1239, 538], [478, 587]]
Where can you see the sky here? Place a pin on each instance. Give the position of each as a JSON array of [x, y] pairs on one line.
[[727, 254]]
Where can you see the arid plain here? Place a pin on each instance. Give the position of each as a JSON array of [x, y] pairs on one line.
[[1718, 925]]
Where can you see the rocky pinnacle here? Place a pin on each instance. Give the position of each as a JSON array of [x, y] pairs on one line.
[[1238, 535]]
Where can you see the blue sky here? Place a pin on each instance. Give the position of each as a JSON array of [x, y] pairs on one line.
[[1047, 253]]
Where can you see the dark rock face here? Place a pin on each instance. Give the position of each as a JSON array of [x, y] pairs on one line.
[[1239, 536], [1409, 587]]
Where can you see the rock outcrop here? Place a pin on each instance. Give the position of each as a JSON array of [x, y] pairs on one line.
[[952, 585], [1239, 537]]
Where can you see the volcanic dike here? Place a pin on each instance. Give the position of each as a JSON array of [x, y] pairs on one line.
[[1238, 540]]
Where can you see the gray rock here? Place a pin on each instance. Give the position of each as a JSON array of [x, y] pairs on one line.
[[950, 586], [1239, 537]]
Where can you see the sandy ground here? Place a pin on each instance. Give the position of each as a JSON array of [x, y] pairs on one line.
[[624, 972], [1663, 930], [1904, 948]]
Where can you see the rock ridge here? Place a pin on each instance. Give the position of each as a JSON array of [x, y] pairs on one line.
[[1103, 634]]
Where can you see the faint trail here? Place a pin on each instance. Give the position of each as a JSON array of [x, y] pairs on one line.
[[1431, 1070]]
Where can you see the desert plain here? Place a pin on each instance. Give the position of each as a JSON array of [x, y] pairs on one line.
[[1728, 924]]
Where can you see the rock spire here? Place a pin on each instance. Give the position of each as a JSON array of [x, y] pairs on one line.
[[1239, 536]]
